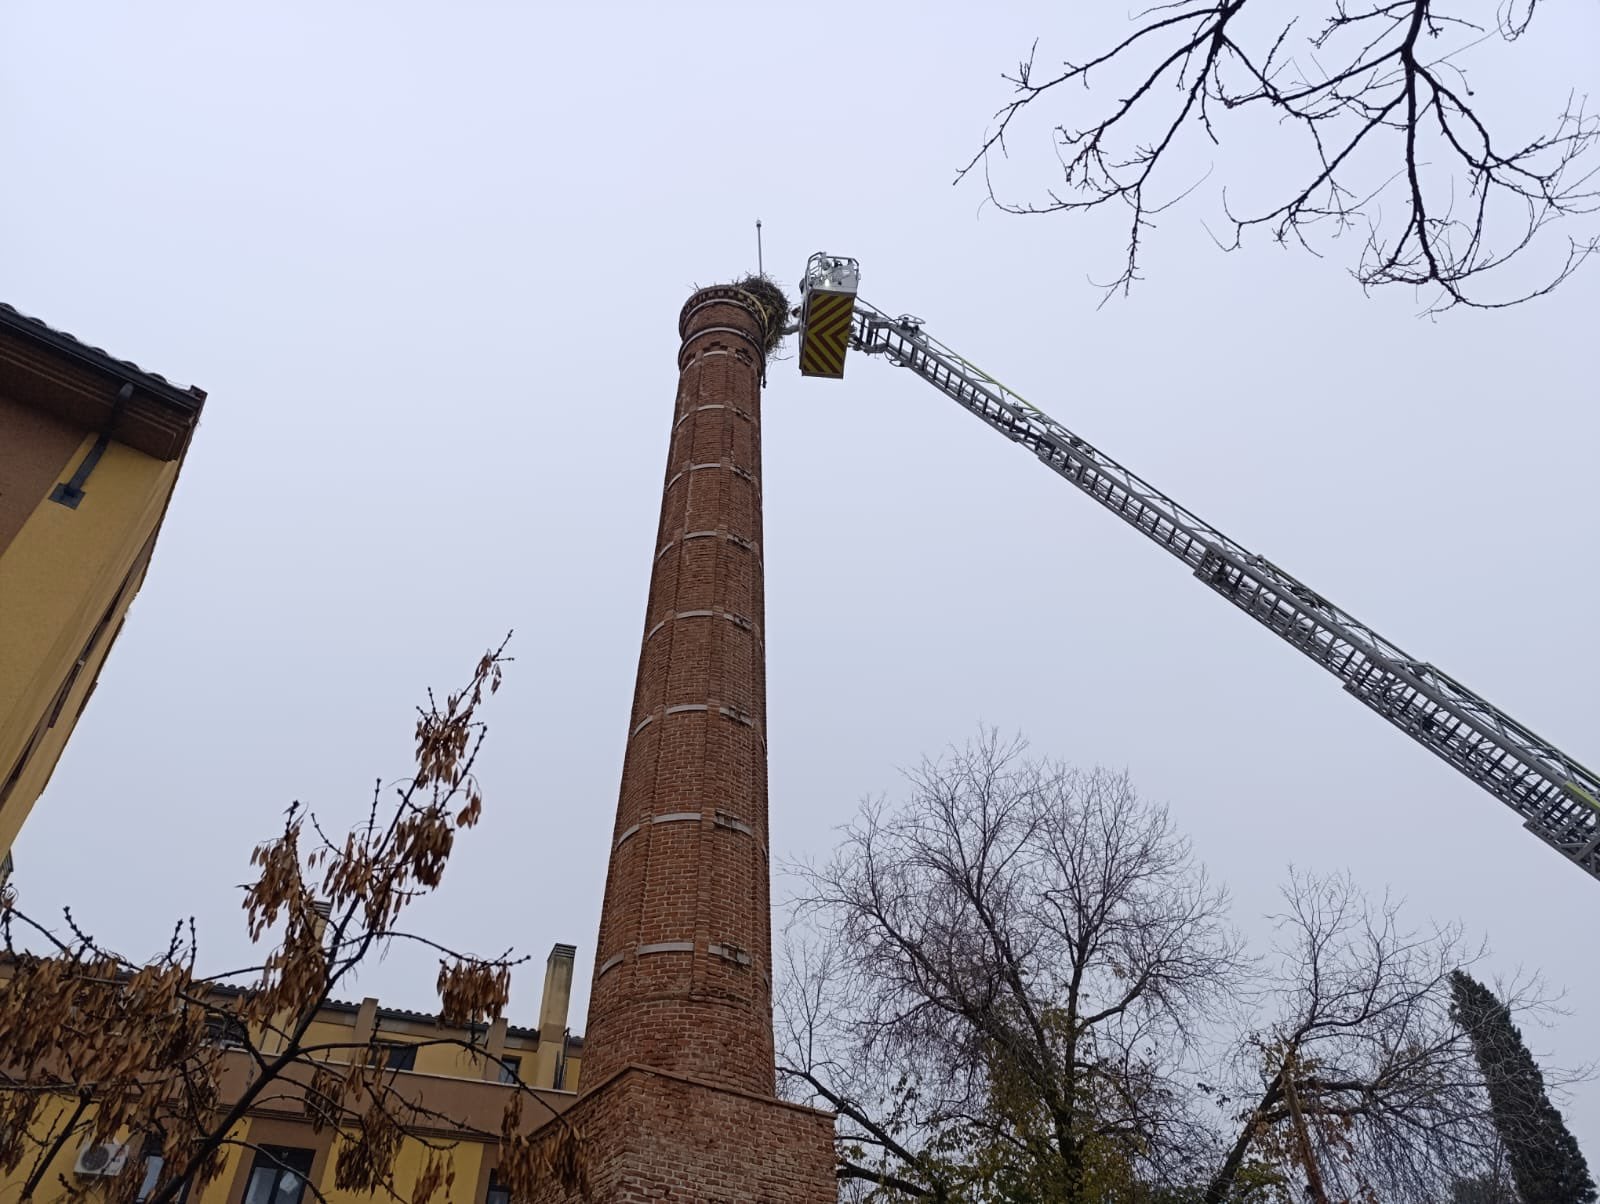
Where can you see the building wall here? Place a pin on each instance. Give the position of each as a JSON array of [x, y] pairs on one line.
[[34, 455], [473, 1161], [552, 1063], [68, 572], [460, 1084], [654, 1137], [50, 1189], [66, 581]]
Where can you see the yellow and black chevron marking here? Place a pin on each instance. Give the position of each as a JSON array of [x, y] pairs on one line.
[[826, 334]]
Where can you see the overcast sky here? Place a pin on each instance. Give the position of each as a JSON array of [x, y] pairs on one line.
[[428, 261]]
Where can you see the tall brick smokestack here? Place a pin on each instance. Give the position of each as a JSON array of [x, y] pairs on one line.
[[682, 968], [676, 1095]]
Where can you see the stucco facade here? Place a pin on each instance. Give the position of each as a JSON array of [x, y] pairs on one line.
[[431, 1066], [90, 449]]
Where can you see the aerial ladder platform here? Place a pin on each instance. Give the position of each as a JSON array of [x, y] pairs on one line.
[[1556, 797]]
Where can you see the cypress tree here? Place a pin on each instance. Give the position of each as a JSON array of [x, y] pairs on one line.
[[1546, 1164]]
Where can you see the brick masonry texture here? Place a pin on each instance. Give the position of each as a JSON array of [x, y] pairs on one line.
[[654, 1137], [677, 1100], [683, 962]]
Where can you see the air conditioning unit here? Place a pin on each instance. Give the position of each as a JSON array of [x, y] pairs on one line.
[[102, 1158]]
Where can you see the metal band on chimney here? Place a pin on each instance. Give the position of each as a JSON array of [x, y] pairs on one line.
[[719, 818], [722, 949], [738, 620]]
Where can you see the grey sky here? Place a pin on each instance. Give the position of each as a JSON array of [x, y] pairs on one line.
[[428, 259]]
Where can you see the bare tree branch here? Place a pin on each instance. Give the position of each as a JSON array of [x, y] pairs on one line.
[[1384, 135], [1007, 972], [1009, 986]]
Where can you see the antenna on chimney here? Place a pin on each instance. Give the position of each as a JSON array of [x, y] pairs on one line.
[[760, 267]]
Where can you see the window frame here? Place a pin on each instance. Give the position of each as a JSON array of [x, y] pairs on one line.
[[225, 1030], [278, 1161], [385, 1051], [154, 1162]]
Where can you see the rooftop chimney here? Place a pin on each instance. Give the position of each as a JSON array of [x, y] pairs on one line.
[[553, 1015]]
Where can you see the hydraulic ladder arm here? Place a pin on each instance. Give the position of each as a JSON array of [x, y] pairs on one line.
[[1557, 798]]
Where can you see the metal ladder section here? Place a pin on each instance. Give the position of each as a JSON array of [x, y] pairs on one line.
[[1557, 798]]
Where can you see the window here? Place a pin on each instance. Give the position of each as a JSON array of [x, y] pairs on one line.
[[510, 1069], [15, 775], [498, 1193], [153, 1164], [395, 1055], [226, 1031], [278, 1176], [561, 1062]]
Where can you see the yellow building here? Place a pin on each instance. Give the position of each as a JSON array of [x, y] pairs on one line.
[[90, 448], [277, 1156]]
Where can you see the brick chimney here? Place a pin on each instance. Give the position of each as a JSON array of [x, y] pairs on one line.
[[683, 965], [676, 1095]]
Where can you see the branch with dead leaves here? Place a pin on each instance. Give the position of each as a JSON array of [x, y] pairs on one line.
[[97, 1047]]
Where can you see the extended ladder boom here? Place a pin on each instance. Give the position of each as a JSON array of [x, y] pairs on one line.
[[1557, 798]]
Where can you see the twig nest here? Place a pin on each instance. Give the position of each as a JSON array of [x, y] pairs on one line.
[[771, 304]]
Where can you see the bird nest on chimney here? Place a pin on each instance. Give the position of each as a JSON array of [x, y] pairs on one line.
[[771, 304]]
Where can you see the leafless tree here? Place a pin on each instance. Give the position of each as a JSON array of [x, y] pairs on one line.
[[883, 1133], [1364, 119], [97, 1047], [1018, 984], [1359, 1080], [1005, 984]]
